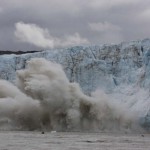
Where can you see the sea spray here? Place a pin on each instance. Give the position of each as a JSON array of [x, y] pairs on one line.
[[43, 98]]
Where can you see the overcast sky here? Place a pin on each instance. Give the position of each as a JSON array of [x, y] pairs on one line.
[[49, 24]]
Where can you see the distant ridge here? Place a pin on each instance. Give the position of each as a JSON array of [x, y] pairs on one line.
[[2, 52]]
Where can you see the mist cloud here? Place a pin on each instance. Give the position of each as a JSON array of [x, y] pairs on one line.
[[33, 34], [45, 99]]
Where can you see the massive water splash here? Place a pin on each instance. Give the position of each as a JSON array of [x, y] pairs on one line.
[[43, 98]]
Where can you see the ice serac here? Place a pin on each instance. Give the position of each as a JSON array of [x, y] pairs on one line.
[[122, 71]]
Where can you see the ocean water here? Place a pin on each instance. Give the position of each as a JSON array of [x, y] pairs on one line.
[[25, 140]]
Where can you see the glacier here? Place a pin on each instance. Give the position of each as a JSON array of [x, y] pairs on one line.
[[122, 71]]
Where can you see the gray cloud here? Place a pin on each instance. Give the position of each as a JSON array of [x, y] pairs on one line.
[[104, 27], [71, 22], [1, 10]]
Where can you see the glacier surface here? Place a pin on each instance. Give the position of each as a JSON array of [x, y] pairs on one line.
[[122, 71]]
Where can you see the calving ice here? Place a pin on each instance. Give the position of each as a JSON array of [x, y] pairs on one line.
[[44, 98], [115, 76]]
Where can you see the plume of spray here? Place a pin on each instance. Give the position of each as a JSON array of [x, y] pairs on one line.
[[44, 98]]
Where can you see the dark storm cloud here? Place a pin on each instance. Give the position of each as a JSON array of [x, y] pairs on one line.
[[28, 25]]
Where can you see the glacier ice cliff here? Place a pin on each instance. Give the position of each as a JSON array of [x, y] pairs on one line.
[[122, 71]]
